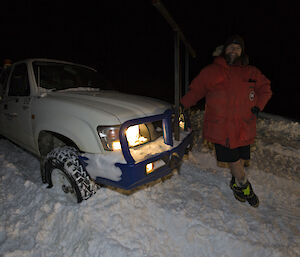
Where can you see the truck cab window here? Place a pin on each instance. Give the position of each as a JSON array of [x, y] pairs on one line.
[[19, 83], [3, 81]]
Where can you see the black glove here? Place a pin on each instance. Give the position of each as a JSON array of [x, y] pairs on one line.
[[255, 110], [187, 120]]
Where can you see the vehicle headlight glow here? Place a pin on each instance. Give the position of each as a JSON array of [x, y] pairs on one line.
[[181, 121], [136, 135], [149, 167], [116, 145]]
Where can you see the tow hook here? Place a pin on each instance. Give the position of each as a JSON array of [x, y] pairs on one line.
[[174, 161]]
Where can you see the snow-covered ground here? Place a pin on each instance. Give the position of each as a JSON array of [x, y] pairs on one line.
[[192, 214]]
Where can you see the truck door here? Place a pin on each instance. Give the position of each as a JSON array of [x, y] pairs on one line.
[[17, 110], [3, 86]]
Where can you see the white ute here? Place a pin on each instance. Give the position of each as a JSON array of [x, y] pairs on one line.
[[84, 134]]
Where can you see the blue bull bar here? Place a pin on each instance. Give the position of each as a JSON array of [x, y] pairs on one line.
[[134, 173]]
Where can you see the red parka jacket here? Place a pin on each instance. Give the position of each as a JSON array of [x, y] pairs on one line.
[[230, 91]]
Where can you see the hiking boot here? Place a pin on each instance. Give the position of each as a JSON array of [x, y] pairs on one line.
[[244, 193], [237, 194]]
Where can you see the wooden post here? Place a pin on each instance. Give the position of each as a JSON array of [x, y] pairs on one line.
[[187, 71], [177, 84]]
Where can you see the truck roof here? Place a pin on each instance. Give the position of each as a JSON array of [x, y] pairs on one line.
[[31, 60]]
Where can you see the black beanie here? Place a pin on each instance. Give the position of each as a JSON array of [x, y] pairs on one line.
[[235, 39]]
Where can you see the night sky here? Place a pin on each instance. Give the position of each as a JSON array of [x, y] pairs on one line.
[[133, 46]]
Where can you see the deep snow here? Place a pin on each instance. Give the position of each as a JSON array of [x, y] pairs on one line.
[[191, 214]]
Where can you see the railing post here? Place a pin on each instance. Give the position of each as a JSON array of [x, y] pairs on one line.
[[187, 71], [179, 37], [177, 84]]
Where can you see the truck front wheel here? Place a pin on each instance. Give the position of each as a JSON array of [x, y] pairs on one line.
[[67, 175]]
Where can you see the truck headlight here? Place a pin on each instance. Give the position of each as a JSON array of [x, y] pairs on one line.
[[109, 136], [136, 135]]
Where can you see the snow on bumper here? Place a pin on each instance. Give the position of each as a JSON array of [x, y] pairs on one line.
[[134, 174], [128, 168]]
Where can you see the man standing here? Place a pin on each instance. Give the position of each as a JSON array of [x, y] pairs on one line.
[[235, 93]]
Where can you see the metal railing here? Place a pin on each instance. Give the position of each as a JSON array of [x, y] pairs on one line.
[[178, 37]]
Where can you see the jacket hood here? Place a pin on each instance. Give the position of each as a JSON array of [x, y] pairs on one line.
[[236, 39]]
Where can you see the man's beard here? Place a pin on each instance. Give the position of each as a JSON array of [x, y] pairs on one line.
[[232, 59]]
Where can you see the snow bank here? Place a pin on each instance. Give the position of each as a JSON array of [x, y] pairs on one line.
[[191, 214]]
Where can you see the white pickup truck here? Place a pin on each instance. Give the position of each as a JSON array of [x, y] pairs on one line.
[[84, 134]]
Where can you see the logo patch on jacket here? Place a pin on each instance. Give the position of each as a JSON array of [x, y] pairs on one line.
[[251, 95]]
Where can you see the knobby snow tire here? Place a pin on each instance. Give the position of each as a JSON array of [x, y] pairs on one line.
[[66, 159]]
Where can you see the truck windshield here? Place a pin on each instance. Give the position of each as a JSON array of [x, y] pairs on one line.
[[60, 76]]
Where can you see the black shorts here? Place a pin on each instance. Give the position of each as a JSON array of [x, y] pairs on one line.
[[225, 154]]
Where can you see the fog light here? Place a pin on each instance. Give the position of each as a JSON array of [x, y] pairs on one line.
[[149, 168]]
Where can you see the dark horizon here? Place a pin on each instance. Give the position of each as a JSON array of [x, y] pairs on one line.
[[132, 44]]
